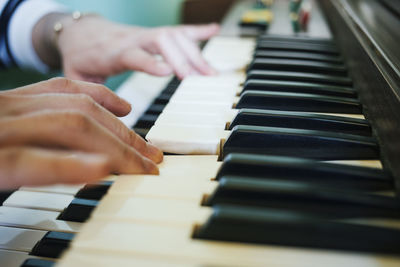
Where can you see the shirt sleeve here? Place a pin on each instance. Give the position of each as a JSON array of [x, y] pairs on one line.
[[20, 26]]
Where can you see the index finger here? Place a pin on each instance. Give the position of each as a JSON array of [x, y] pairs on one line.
[[98, 92]]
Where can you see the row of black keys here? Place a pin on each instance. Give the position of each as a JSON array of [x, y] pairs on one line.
[[278, 211], [319, 84], [266, 106]]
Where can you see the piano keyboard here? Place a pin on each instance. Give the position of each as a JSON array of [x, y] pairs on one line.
[[294, 179], [239, 206]]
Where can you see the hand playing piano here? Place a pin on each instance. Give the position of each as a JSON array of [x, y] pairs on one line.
[[93, 48], [64, 131]]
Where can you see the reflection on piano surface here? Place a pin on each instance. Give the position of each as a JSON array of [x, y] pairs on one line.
[[294, 158]]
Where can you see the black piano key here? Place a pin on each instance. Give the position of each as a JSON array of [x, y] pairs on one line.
[[141, 131], [94, 191], [298, 65], [38, 263], [297, 46], [162, 99], [320, 145], [155, 109], [298, 55], [79, 210], [146, 121], [299, 87], [300, 169], [171, 86], [297, 39], [301, 120], [4, 195], [299, 77], [52, 244], [298, 102], [323, 201], [268, 226]]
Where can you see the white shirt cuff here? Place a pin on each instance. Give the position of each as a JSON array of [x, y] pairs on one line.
[[21, 26]]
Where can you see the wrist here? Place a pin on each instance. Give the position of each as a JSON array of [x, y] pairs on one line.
[[43, 38], [47, 33]]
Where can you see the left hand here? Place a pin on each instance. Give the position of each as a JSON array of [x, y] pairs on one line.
[[93, 48]]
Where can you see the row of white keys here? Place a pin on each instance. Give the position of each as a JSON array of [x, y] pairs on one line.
[[212, 106], [151, 218], [14, 258], [29, 213], [49, 201]]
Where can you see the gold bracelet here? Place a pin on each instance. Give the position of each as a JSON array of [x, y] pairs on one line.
[[59, 26]]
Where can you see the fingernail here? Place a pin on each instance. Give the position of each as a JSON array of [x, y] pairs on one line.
[[125, 103], [184, 72], [155, 153], [163, 68]]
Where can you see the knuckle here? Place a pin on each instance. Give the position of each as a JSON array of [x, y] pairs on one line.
[[86, 103], [78, 121], [63, 84], [12, 157], [137, 141], [161, 36]]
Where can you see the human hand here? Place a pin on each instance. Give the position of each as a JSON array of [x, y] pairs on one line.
[[64, 131], [93, 48]]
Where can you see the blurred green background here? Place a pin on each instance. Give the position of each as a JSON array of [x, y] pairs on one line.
[[139, 12]]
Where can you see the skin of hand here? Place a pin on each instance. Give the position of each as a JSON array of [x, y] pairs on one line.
[[64, 131], [93, 48]]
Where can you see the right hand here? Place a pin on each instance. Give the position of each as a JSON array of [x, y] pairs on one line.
[[64, 131]]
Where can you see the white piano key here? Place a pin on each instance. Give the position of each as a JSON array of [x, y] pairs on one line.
[[38, 200], [193, 107], [229, 53], [99, 259], [203, 88], [180, 118], [186, 139], [204, 97], [13, 258], [156, 187], [158, 210], [230, 79], [12, 238], [35, 219], [175, 172], [222, 78], [58, 189]]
